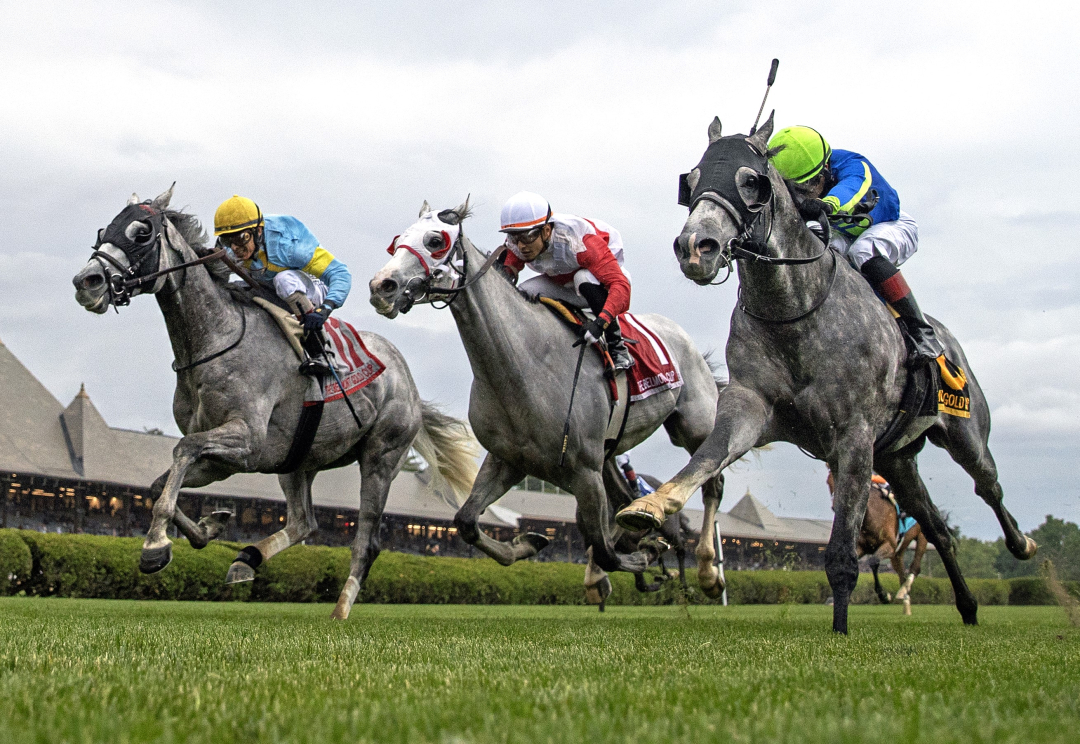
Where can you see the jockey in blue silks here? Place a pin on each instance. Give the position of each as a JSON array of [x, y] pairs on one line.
[[279, 252], [878, 236]]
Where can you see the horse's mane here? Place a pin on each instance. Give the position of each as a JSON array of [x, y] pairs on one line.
[[191, 230]]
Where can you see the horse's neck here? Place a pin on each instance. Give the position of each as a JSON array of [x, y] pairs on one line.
[[498, 327], [198, 312], [782, 291]]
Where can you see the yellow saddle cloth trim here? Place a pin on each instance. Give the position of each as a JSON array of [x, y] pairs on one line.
[[957, 381]]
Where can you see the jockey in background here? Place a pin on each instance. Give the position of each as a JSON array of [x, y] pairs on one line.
[[281, 253], [579, 262], [640, 485], [866, 209]]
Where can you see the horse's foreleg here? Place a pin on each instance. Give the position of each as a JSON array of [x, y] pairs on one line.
[[495, 479], [852, 486], [741, 417], [231, 441], [708, 573], [299, 525], [903, 475]]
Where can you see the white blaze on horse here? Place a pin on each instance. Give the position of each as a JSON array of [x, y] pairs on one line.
[[239, 397], [523, 364]]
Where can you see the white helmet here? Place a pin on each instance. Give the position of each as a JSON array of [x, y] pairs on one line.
[[524, 211]]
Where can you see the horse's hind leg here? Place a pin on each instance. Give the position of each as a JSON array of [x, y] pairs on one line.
[[902, 472], [299, 525], [495, 478], [965, 441], [882, 595], [378, 467]]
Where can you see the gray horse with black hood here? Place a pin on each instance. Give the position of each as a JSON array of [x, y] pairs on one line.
[[817, 360], [239, 397]]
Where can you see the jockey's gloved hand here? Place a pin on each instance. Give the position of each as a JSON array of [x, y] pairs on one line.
[[817, 206], [314, 320], [592, 330]]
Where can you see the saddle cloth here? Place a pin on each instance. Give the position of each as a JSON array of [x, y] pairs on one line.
[[654, 370], [354, 363]]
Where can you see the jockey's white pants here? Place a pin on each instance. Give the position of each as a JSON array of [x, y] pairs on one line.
[[294, 280], [896, 240], [570, 293]]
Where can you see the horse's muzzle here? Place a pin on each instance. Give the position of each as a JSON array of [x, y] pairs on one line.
[[92, 289]]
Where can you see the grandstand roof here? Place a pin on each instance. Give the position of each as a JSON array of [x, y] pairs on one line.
[[38, 435]]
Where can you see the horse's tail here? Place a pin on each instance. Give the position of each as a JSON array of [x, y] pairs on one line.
[[450, 449], [714, 367]]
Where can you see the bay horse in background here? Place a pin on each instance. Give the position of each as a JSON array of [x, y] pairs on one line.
[[880, 537]]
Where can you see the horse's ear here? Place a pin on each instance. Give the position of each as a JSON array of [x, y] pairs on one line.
[[457, 215], [714, 130], [425, 208], [161, 201], [133, 199], [760, 138]]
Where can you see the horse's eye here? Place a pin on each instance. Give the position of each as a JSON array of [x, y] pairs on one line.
[[433, 241], [751, 182]]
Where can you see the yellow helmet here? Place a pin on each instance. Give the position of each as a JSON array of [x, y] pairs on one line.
[[235, 214]]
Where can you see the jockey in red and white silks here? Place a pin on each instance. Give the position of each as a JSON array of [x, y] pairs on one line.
[[579, 262]]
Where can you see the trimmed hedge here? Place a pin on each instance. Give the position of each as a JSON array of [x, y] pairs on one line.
[[65, 565]]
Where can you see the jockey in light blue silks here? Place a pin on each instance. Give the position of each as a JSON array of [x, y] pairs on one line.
[[281, 253]]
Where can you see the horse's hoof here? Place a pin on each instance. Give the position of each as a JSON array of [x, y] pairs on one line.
[[710, 583], [598, 592], [153, 560], [1030, 548], [239, 573], [640, 516], [654, 545], [533, 540]]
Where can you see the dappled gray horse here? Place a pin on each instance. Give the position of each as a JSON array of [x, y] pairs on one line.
[[816, 360], [238, 397], [523, 366]]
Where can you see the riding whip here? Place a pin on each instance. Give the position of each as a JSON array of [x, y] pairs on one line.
[[772, 79], [344, 395], [573, 391]]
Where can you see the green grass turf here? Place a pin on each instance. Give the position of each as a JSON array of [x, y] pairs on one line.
[[100, 670]]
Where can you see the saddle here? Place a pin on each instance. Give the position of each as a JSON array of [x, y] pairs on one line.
[[931, 389], [617, 380]]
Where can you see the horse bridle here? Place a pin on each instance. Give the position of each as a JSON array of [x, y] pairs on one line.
[[442, 267], [729, 155], [127, 277]]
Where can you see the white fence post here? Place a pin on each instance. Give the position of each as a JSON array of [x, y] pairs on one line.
[[718, 546]]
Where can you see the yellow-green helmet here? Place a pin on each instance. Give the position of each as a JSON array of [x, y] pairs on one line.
[[235, 214], [805, 153]]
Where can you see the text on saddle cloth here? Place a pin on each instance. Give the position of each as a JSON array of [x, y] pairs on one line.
[[953, 397], [355, 364]]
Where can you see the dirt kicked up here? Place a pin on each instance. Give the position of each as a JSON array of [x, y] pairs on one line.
[[96, 670]]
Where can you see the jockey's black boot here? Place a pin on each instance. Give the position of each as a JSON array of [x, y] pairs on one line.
[[315, 364], [596, 296], [888, 282], [616, 347]]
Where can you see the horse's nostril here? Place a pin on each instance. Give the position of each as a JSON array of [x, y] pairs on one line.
[[93, 281], [388, 286], [708, 245]]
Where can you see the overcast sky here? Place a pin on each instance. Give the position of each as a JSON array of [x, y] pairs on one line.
[[349, 117]]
